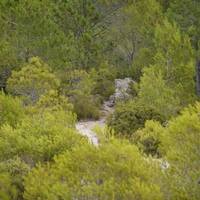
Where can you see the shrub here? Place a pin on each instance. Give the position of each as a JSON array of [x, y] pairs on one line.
[[130, 116], [80, 94], [148, 138], [104, 77], [86, 110], [16, 169], [11, 110]]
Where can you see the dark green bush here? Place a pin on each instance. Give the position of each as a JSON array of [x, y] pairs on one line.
[[130, 116], [148, 138], [104, 78], [86, 110]]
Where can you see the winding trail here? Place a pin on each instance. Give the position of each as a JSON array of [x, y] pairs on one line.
[[84, 127]]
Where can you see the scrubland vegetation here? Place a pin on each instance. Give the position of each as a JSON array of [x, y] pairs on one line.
[[58, 63]]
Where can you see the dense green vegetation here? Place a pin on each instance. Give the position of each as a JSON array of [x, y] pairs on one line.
[[58, 63]]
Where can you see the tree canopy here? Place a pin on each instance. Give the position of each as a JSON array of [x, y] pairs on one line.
[[58, 64]]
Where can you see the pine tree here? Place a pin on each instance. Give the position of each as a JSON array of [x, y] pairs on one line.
[[30, 31], [8, 62], [32, 81], [155, 92], [114, 170], [133, 31], [186, 14], [175, 59], [181, 145], [80, 94]]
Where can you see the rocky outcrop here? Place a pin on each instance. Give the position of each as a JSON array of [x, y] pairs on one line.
[[122, 90]]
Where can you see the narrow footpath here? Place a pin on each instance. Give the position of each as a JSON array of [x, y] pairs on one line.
[[84, 127]]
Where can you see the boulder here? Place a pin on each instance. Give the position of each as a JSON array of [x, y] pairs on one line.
[[122, 87]]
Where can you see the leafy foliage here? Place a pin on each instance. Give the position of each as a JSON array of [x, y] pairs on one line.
[[7, 190], [24, 141], [155, 92], [134, 34], [32, 81], [181, 144], [50, 101], [28, 27], [64, 57], [186, 14], [113, 170], [148, 139], [11, 110], [16, 169], [104, 79], [40, 137], [175, 59], [80, 95], [7, 60], [130, 116]]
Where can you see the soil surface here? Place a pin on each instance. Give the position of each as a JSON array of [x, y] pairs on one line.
[[84, 127]]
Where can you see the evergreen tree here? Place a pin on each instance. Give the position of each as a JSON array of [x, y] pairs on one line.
[[155, 92], [114, 170], [80, 93], [51, 101], [32, 81], [186, 14], [29, 29], [181, 145], [175, 59], [8, 62], [76, 19], [40, 137], [133, 31]]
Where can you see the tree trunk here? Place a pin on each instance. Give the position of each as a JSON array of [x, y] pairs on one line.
[[197, 67]]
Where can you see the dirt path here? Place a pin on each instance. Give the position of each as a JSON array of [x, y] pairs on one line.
[[84, 127]]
